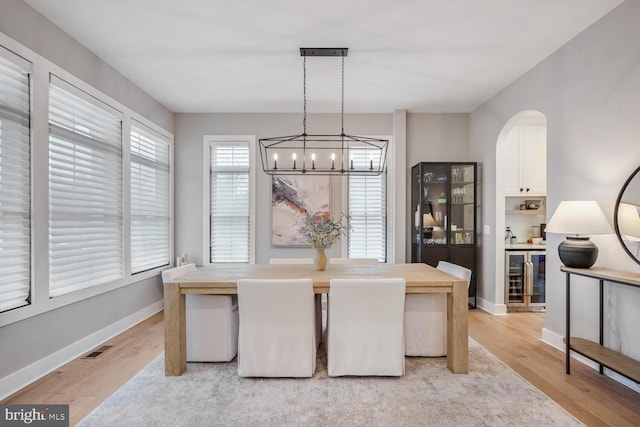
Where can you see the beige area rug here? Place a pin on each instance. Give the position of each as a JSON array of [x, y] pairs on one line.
[[212, 394]]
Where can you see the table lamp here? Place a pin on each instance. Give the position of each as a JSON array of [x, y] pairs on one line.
[[428, 223], [578, 220], [629, 226], [629, 221]]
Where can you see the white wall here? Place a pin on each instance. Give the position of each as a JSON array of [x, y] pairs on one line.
[[190, 129], [434, 138], [589, 91], [429, 137], [27, 342]]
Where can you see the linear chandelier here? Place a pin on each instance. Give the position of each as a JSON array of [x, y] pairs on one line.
[[339, 154]]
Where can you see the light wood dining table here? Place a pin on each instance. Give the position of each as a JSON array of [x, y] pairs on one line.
[[221, 280]]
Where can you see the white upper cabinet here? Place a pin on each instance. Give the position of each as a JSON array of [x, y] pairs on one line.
[[512, 162], [525, 170]]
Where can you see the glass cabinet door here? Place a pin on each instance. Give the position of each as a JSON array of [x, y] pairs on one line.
[[538, 280], [435, 179], [463, 204], [416, 203], [516, 276], [444, 214]]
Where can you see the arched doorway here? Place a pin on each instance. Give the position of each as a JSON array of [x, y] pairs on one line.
[[511, 195]]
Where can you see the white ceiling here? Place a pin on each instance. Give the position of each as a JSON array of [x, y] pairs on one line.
[[243, 55]]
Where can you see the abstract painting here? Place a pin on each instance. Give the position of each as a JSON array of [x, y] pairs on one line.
[[291, 198]]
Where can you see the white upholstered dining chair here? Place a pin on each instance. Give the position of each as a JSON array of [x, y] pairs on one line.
[[277, 328], [211, 323], [426, 317], [318, 297], [365, 332]]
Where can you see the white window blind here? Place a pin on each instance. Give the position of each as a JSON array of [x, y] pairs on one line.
[[150, 215], [85, 190], [15, 228], [367, 212], [229, 186]]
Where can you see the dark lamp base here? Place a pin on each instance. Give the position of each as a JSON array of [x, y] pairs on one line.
[[578, 252]]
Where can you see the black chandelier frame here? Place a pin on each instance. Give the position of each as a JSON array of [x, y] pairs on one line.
[[323, 154]]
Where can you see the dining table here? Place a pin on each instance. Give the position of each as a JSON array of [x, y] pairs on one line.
[[221, 279]]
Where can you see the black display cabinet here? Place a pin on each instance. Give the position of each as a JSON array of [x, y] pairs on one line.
[[444, 224]]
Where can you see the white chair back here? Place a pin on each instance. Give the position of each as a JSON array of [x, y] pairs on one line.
[[426, 317], [277, 328], [455, 270], [174, 273], [365, 328], [353, 261], [291, 261], [318, 298]]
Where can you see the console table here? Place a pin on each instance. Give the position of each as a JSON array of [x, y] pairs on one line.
[[597, 352]]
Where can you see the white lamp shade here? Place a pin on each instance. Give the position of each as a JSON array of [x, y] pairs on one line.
[[428, 221], [578, 218], [629, 220]]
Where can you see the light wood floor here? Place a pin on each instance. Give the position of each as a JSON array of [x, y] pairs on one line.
[[515, 339]]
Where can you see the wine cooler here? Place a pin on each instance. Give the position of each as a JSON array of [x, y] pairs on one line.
[[525, 280]]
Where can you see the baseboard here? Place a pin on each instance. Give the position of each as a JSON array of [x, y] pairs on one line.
[[491, 308], [553, 339], [556, 340], [25, 376]]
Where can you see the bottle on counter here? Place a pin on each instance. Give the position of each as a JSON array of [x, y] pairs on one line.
[[530, 238], [514, 240], [508, 235]]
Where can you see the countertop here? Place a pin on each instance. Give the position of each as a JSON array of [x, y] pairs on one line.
[[524, 247]]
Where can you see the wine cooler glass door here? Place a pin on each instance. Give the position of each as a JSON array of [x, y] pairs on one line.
[[538, 285], [516, 276]]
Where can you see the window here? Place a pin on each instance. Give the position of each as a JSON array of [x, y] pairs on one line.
[[231, 199], [15, 206], [367, 212], [150, 211], [85, 190]]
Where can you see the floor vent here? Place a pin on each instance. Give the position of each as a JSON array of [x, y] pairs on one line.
[[97, 352]]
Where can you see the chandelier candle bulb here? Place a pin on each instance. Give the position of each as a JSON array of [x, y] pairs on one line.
[[333, 161], [275, 161], [293, 156], [351, 159], [371, 162], [313, 160]]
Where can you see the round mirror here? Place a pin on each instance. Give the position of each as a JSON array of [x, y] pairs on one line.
[[626, 216]]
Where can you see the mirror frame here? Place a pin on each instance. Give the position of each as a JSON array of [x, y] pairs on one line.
[[634, 174]]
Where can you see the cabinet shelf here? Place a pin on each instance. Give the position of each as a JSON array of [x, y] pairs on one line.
[[526, 212], [604, 356]]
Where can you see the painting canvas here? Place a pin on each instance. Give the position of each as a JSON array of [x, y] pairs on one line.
[[291, 198]]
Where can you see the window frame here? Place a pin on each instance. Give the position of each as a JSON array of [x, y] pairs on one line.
[[163, 139], [206, 197], [96, 153], [39, 130], [390, 170], [21, 62]]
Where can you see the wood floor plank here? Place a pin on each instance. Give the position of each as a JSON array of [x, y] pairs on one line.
[[85, 383], [594, 399]]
